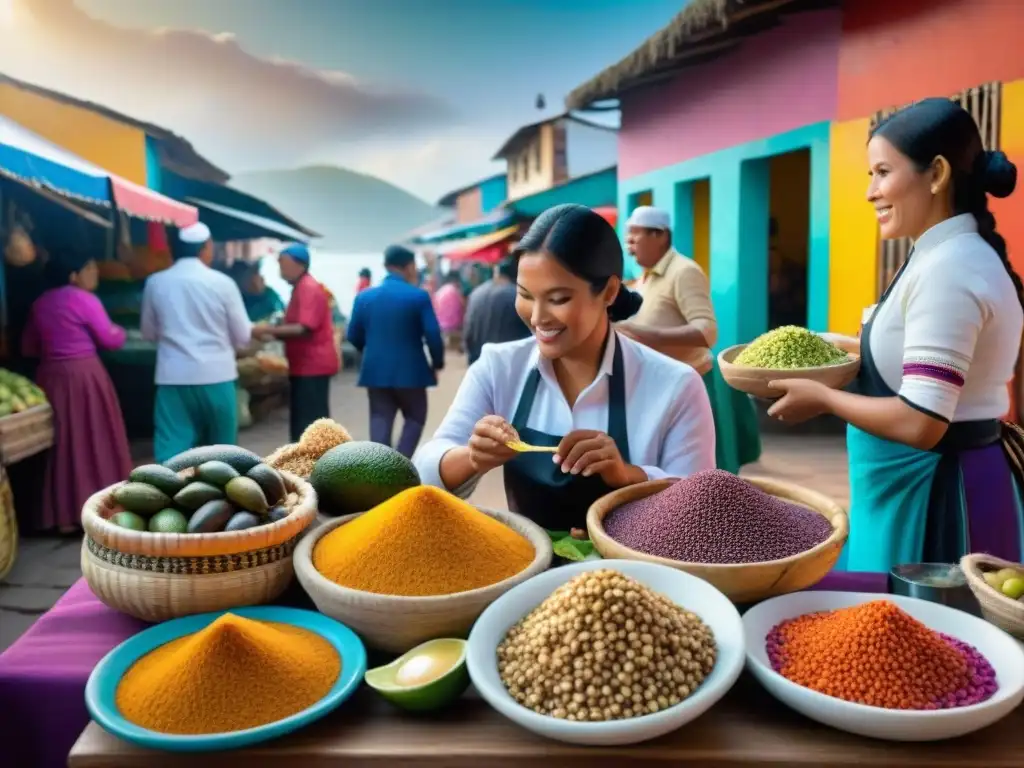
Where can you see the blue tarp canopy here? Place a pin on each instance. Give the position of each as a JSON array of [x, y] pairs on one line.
[[228, 224], [498, 220], [593, 190], [182, 188], [35, 161]]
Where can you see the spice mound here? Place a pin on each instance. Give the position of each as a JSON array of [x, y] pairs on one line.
[[716, 517], [605, 647], [876, 654], [422, 541], [790, 347], [234, 674]]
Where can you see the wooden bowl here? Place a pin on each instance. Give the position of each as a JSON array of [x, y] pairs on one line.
[[743, 582], [996, 607], [160, 576], [396, 623], [754, 381]]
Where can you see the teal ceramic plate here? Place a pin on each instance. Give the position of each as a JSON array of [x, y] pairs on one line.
[[102, 686]]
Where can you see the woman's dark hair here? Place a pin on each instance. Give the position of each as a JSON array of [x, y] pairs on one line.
[[585, 244], [62, 264], [934, 127]]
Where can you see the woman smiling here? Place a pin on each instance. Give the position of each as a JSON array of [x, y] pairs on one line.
[[613, 412], [930, 477]]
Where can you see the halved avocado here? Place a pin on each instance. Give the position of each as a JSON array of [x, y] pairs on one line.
[[428, 677]]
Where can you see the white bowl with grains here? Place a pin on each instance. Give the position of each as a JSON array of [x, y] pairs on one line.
[[607, 652]]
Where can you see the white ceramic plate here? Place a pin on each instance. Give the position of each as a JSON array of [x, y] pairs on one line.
[[694, 594], [1003, 653]]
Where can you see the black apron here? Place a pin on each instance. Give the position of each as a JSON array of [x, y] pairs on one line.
[[536, 487]]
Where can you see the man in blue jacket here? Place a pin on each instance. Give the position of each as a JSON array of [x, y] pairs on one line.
[[390, 324]]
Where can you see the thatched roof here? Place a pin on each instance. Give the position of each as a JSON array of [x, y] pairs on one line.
[[704, 29]]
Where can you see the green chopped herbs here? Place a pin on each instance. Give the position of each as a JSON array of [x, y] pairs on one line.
[[790, 347], [573, 546]]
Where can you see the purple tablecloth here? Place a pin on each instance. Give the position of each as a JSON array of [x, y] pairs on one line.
[[43, 675]]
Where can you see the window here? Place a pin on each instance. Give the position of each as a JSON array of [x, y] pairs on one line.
[[984, 102], [524, 166], [536, 156]]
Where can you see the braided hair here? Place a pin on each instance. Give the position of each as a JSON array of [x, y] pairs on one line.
[[940, 127]]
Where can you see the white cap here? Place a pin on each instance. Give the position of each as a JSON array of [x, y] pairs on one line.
[[649, 217], [195, 234]]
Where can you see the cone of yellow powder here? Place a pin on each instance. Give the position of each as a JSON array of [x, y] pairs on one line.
[[233, 675]]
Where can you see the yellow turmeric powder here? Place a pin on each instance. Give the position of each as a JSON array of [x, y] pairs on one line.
[[423, 541], [234, 674]]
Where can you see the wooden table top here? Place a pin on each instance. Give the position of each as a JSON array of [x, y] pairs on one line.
[[746, 728]]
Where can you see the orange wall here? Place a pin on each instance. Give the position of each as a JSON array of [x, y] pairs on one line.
[[895, 51], [110, 144]]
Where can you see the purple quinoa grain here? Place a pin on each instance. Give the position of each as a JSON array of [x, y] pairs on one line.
[[716, 517]]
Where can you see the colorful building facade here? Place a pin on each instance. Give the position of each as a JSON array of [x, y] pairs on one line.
[[753, 137]]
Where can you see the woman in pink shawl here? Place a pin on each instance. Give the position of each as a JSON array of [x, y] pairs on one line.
[[450, 308], [66, 327]]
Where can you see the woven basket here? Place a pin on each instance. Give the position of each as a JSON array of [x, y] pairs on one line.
[[25, 434], [8, 526], [397, 623], [997, 608], [745, 582], [754, 381], [159, 576]]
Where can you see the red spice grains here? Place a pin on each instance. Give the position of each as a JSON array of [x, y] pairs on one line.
[[876, 654]]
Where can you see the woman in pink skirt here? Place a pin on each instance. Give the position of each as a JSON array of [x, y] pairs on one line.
[[66, 327]]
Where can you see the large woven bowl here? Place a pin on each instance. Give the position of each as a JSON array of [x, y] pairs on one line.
[[754, 381], [397, 623], [997, 608], [161, 576], [746, 582]]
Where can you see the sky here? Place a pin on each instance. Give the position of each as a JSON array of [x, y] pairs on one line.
[[420, 93]]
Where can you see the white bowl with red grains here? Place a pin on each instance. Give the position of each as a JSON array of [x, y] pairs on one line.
[[886, 623], [606, 653]]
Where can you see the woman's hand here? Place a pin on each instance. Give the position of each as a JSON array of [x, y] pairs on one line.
[[487, 445], [803, 399], [587, 452]]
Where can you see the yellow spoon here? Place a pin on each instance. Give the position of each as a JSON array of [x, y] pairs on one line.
[[520, 447]]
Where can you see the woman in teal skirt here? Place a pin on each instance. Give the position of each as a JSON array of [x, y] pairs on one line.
[[934, 471]]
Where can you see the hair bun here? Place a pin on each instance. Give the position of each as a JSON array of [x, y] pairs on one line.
[[627, 303], [1000, 174]]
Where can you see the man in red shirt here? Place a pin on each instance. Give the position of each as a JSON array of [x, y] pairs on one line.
[[308, 335]]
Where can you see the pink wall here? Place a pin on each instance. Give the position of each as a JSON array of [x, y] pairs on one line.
[[777, 81]]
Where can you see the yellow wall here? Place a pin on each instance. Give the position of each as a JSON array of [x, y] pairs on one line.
[[853, 229], [110, 144], [790, 204], [702, 224], [535, 181]]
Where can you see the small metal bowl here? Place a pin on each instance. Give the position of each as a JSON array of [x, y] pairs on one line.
[[942, 583]]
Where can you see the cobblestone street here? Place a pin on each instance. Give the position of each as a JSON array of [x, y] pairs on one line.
[[46, 567]]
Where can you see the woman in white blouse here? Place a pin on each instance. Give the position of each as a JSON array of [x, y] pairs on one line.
[[618, 412], [934, 472]]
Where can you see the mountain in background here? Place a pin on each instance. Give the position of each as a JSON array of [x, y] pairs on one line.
[[355, 213]]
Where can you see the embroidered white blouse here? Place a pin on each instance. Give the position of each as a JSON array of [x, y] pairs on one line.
[[947, 337], [669, 423]]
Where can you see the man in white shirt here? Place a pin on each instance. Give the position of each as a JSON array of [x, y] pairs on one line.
[[197, 318]]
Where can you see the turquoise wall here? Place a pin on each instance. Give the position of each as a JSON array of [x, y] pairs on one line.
[[739, 225], [592, 190], [493, 193], [154, 171]]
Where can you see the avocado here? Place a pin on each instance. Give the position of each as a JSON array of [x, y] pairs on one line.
[[129, 520], [242, 520], [357, 476], [239, 458], [270, 481], [277, 513], [247, 494], [194, 495], [141, 498], [168, 521], [211, 517], [167, 480], [216, 473]]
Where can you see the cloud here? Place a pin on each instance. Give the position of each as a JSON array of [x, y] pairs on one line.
[[243, 111]]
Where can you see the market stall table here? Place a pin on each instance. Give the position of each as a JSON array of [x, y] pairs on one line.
[[43, 675], [746, 728]]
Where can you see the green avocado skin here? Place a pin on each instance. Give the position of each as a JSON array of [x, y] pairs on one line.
[[238, 458]]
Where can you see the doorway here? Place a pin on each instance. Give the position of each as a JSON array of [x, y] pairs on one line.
[[788, 238], [702, 224]]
